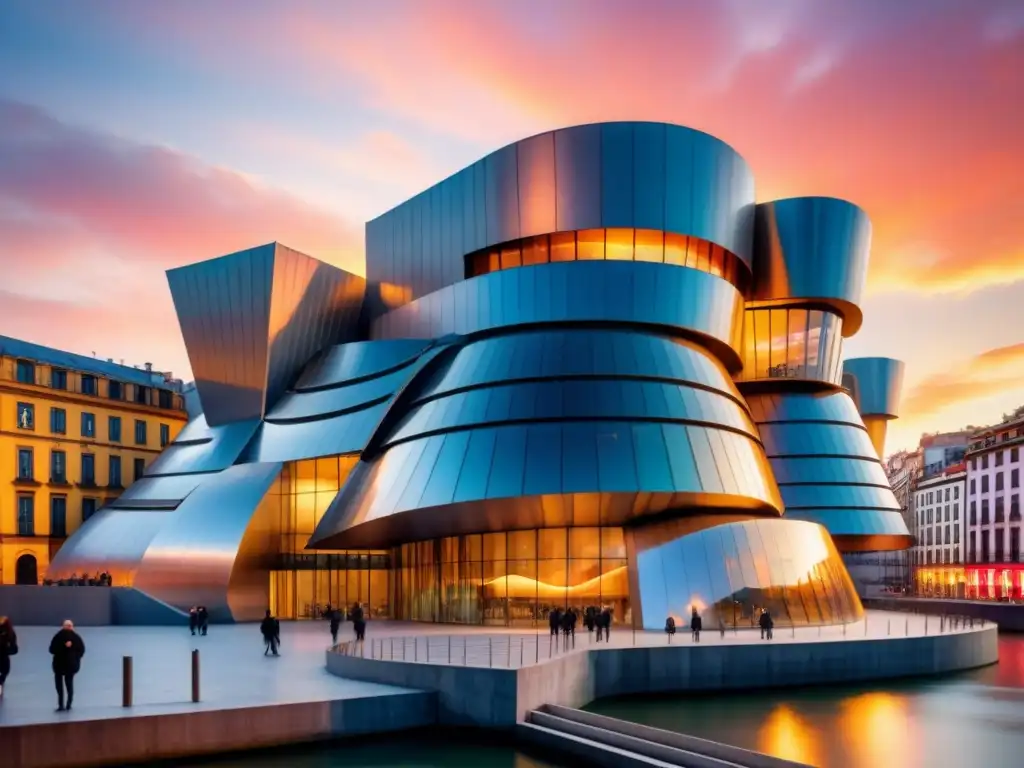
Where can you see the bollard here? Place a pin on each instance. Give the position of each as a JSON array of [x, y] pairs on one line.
[[126, 681], [490, 651], [449, 649], [926, 624], [521, 639], [392, 649], [888, 627], [509, 666], [195, 675], [906, 629]]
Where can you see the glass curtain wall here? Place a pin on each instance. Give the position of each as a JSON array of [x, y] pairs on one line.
[[792, 344], [611, 245], [512, 579], [305, 582]]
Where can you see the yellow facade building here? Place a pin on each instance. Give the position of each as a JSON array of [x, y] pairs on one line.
[[74, 433]]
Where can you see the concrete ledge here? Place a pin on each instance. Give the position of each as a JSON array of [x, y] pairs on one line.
[[503, 697], [1009, 616], [140, 738]]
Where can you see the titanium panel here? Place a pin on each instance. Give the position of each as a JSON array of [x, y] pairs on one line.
[[347, 363], [876, 385], [112, 540], [645, 175], [346, 433], [675, 299], [729, 572], [149, 488], [815, 249], [299, 406], [252, 319], [211, 550], [200, 448]]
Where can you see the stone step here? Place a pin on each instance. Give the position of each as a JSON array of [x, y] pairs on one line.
[[683, 742], [584, 751]]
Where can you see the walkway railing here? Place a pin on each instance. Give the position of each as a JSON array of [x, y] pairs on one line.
[[513, 650]]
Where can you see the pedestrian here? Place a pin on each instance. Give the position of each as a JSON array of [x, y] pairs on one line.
[[770, 623], [588, 618], [573, 618], [554, 621], [193, 619], [335, 625], [67, 650], [204, 619], [270, 628], [606, 623], [696, 625], [670, 627], [8, 648], [358, 622], [762, 622]]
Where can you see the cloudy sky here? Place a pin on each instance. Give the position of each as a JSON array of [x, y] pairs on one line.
[[137, 136]]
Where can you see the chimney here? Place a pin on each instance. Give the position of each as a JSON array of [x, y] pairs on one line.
[[149, 367]]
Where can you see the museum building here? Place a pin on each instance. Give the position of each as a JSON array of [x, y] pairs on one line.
[[587, 370]]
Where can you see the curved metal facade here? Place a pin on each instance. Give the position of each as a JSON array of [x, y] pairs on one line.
[[572, 396], [812, 248], [875, 384], [638, 175], [828, 469]]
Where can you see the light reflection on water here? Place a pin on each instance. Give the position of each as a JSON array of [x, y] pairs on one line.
[[974, 718]]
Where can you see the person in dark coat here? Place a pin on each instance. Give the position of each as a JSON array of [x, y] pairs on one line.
[[8, 647], [358, 621], [606, 623], [204, 619], [270, 628], [766, 624], [670, 627], [554, 621], [771, 623], [67, 650], [193, 619], [335, 625], [696, 625]]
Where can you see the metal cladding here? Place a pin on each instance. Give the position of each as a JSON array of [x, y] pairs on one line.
[[554, 427], [251, 321], [827, 469], [787, 567], [674, 299], [876, 385], [812, 248], [634, 380], [642, 175]]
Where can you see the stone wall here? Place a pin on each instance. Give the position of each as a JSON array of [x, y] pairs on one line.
[[40, 606]]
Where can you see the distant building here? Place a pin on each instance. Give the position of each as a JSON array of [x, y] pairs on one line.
[[941, 526], [74, 432], [943, 450]]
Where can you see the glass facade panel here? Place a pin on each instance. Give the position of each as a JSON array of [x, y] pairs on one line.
[[791, 343]]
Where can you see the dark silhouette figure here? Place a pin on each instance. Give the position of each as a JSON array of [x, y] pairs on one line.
[[67, 650], [193, 619], [8, 647], [358, 622], [555, 621], [204, 619], [670, 627], [606, 623], [270, 628], [588, 618], [335, 625], [568, 623], [766, 623], [696, 625]]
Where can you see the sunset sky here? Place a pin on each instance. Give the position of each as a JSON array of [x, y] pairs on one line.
[[138, 136]]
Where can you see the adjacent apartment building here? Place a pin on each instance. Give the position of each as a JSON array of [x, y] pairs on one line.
[[940, 527], [74, 432]]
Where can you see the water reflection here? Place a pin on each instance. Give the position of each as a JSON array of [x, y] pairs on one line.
[[974, 718]]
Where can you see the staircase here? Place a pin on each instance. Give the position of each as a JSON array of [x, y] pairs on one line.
[[609, 742]]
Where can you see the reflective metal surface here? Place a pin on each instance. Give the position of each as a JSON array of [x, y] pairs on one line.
[[112, 540], [201, 448], [730, 572], [875, 384], [827, 468], [212, 549], [812, 248], [634, 175], [677, 300], [794, 344], [357, 360], [246, 351]]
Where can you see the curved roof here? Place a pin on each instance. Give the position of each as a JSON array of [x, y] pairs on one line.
[[876, 385]]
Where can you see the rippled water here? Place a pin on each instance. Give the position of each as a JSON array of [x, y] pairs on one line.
[[971, 719]]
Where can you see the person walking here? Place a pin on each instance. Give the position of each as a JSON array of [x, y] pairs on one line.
[[358, 622], [204, 619], [335, 626], [696, 625], [606, 623], [770, 623], [67, 650], [572, 619], [270, 628], [8, 648], [764, 622], [193, 619], [670, 627]]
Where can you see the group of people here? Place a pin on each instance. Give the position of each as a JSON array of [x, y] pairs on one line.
[[103, 579], [564, 622], [198, 619], [696, 625], [67, 650], [355, 614]]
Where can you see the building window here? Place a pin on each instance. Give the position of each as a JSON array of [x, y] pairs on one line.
[[58, 379], [972, 556], [26, 515], [1000, 512], [984, 512], [26, 372], [956, 491], [58, 467], [140, 432], [956, 511], [114, 428], [984, 547], [166, 398], [984, 461], [1014, 478], [138, 469], [999, 545], [88, 469], [114, 475], [26, 464], [165, 436], [58, 421], [947, 494], [1015, 454], [956, 534], [974, 464], [26, 416], [89, 386], [88, 508], [58, 516], [974, 488], [141, 394], [984, 483], [999, 458], [115, 390], [1015, 507], [999, 481], [88, 424]]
